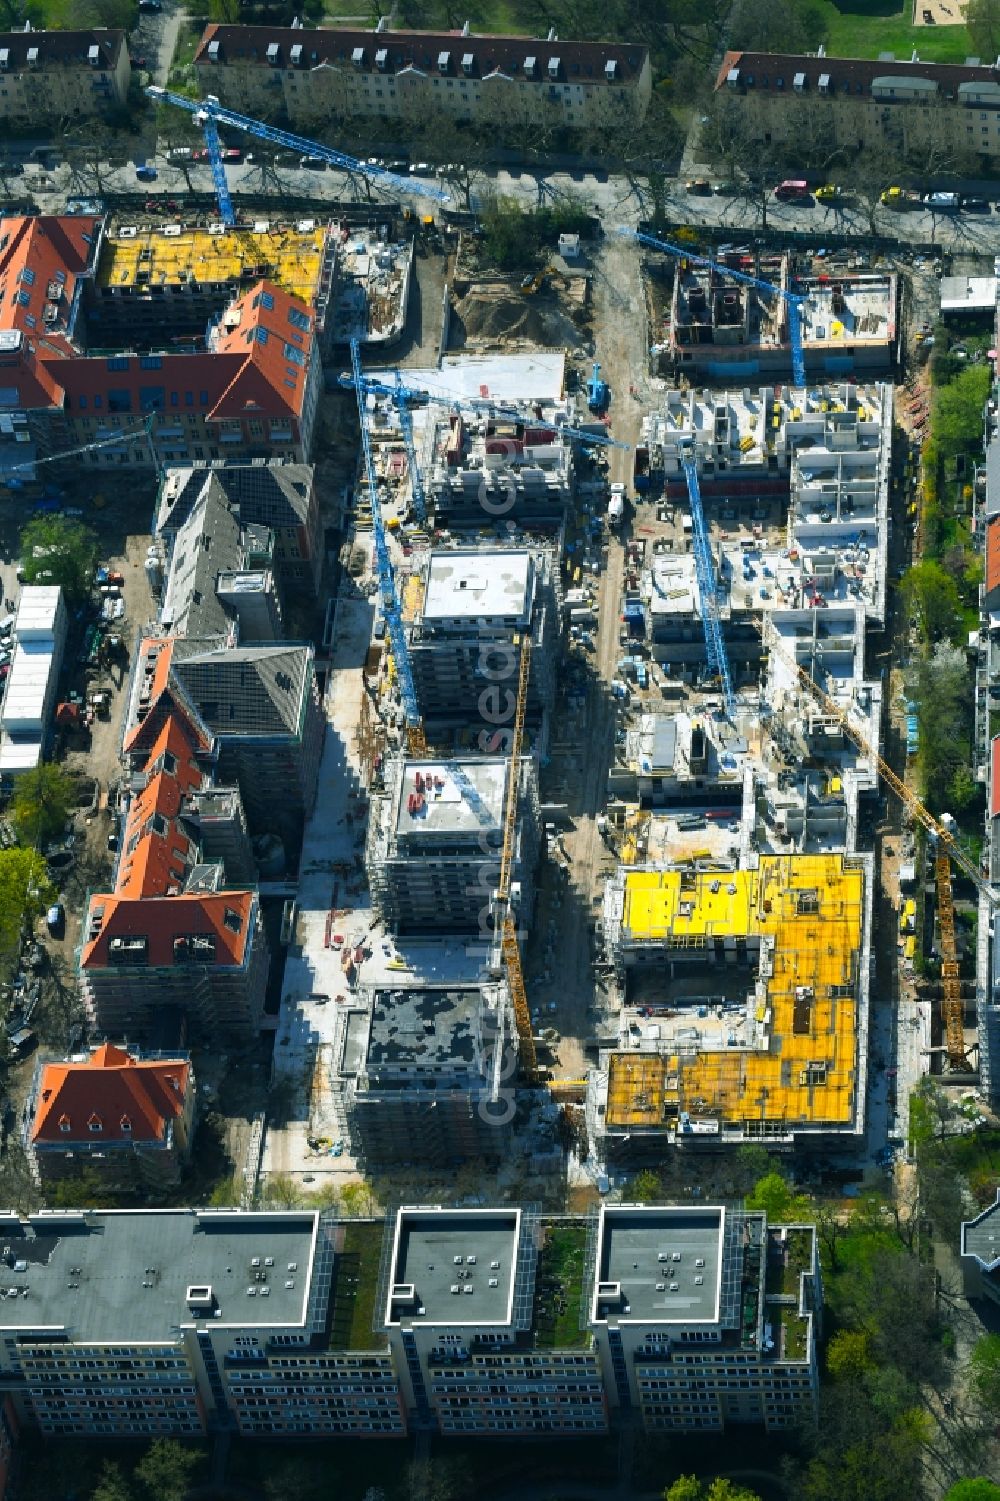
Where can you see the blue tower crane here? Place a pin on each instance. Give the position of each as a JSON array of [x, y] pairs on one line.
[[402, 405], [419, 397], [209, 114], [793, 300], [715, 646], [383, 564]]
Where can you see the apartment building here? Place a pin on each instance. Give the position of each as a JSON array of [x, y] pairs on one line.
[[465, 613], [421, 1068], [308, 75], [434, 836], [61, 77], [123, 1119], [250, 390], [258, 706], [475, 1322], [897, 108], [480, 470], [459, 1317], [980, 1254], [706, 1316], [278, 496], [173, 938]]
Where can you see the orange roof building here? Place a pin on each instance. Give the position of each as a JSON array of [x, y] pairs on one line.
[[170, 934], [249, 390], [122, 1116]]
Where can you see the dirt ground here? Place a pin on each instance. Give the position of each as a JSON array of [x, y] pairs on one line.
[[938, 13]]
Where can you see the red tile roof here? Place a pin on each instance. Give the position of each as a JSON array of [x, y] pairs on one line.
[[110, 1097], [148, 900], [41, 260], [580, 62], [855, 73], [992, 580], [272, 333], [162, 697]]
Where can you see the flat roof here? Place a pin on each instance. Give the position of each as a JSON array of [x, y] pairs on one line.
[[37, 609], [442, 1253], [475, 583], [511, 378], [459, 798], [659, 1264], [124, 1275], [179, 254], [805, 915], [427, 1028]]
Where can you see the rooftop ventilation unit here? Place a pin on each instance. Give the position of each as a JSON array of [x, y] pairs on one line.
[[200, 1297]]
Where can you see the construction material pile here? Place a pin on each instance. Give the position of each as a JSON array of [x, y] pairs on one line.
[[509, 317]]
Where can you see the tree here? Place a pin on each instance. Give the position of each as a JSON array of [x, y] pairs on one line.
[[43, 801], [689, 1488], [958, 411], [848, 1356], [508, 237], [357, 1200], [25, 892], [978, 1489], [59, 550], [166, 1469], [775, 1195], [984, 1374], [982, 21], [777, 26], [646, 1187], [931, 594], [112, 1485], [281, 1191]]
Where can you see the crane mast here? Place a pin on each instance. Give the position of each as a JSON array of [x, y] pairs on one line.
[[505, 927]]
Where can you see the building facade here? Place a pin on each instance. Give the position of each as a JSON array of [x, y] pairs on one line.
[[933, 115], [307, 75], [62, 76], [288, 1323], [434, 837]]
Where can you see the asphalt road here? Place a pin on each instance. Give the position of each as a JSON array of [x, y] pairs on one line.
[[615, 200]]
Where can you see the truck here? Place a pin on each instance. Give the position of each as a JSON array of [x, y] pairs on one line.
[[616, 505], [899, 198]]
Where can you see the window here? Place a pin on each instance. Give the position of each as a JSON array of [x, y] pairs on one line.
[[82, 403], [119, 400], [298, 319], [151, 362], [203, 398], [294, 355], [119, 362], [98, 403], [189, 398], [261, 335], [173, 398], [27, 275]]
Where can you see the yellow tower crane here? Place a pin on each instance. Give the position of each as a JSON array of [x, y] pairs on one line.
[[948, 853], [504, 925]]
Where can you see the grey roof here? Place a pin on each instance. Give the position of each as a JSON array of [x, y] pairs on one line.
[[124, 1276], [207, 545], [652, 1254], [251, 690], [465, 800], [265, 494], [427, 1029], [432, 1251], [981, 1236], [993, 477], [470, 583]]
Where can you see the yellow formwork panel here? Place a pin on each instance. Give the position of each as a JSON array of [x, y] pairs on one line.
[[291, 258], [413, 597], [810, 907]]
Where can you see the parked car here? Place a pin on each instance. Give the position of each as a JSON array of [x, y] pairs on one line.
[[146, 173], [975, 205], [699, 187], [312, 163], [55, 919]]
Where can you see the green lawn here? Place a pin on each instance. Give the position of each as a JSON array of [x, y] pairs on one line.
[[354, 1289], [559, 1288], [864, 28]]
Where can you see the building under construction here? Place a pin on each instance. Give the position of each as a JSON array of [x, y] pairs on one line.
[[421, 1067], [434, 836], [482, 468], [465, 612], [746, 1013]]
